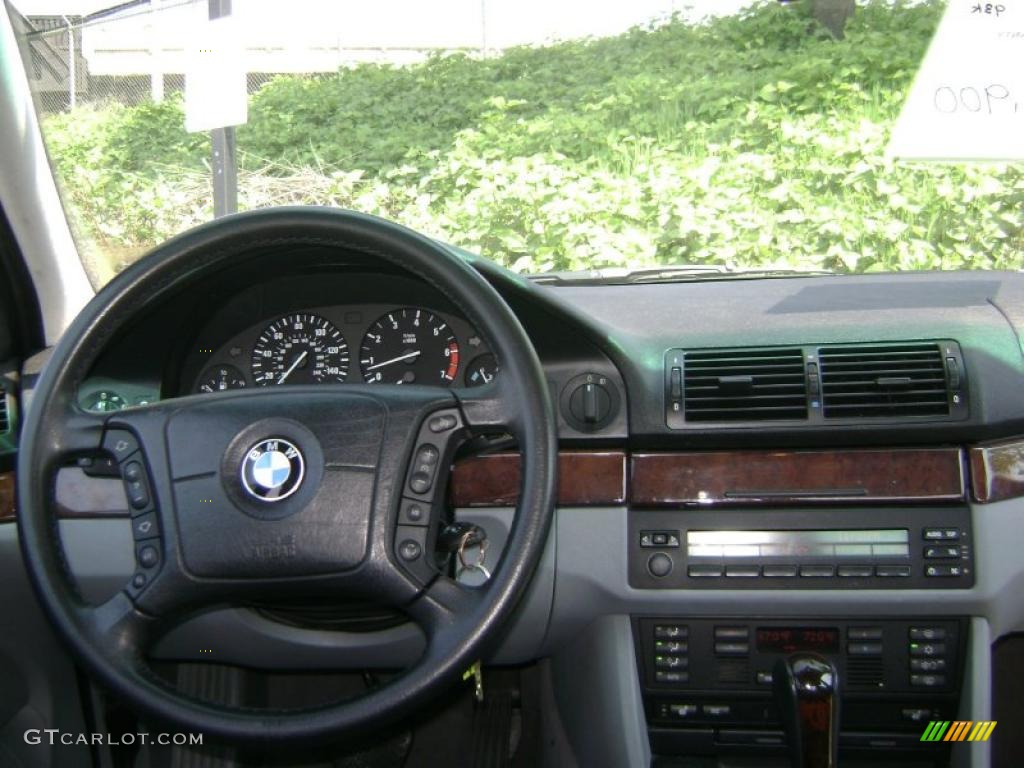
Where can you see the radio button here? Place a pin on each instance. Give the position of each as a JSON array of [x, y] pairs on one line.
[[864, 649], [779, 571], [928, 681], [864, 633], [932, 571], [890, 571], [663, 676], [732, 649], [855, 571], [817, 571], [927, 633], [704, 571], [942, 553], [742, 571], [927, 665], [671, 631], [732, 633], [927, 649], [659, 565], [941, 534]]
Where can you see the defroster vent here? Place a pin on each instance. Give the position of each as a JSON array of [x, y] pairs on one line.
[[743, 384]]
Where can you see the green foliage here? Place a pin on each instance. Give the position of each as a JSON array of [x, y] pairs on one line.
[[751, 140]]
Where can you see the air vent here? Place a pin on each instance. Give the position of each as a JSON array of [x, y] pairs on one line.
[[5, 420], [744, 385], [883, 380]]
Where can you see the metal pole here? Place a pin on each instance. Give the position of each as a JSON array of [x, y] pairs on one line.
[[483, 27], [225, 166], [71, 64], [156, 70]]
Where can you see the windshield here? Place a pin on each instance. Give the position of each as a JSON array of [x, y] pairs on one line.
[[547, 136]]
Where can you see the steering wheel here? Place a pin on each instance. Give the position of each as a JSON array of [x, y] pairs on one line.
[[285, 492]]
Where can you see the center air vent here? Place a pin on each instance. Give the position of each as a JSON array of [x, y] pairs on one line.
[[744, 385], [886, 380]]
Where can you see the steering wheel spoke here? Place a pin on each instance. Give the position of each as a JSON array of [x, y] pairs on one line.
[[445, 607]]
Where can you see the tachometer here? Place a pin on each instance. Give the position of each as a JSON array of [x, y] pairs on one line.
[[301, 348], [409, 346]]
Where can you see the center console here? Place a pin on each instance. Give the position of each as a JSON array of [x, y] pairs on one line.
[[708, 682]]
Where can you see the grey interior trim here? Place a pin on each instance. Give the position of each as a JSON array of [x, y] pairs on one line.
[[976, 703], [37, 679], [591, 581], [598, 694], [30, 199]]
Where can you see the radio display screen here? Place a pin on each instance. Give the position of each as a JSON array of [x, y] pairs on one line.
[[792, 639], [861, 543]]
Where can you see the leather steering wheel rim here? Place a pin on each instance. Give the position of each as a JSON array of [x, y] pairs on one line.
[[460, 623]]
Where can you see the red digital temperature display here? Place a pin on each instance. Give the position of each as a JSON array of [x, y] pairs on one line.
[[792, 639]]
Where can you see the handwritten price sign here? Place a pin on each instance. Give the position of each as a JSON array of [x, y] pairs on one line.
[[967, 102]]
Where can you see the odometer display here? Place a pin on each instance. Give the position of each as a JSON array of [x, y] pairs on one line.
[[301, 348], [792, 639], [409, 346]]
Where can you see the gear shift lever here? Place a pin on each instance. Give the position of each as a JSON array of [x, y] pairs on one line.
[[807, 692]]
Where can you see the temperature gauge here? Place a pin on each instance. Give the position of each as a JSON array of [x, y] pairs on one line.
[[105, 400], [481, 370]]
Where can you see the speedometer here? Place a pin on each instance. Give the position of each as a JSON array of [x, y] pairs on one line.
[[409, 346], [301, 348]]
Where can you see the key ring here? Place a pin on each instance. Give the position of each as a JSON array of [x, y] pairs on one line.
[[475, 566]]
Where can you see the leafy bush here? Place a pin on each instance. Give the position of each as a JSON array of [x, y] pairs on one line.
[[751, 140]]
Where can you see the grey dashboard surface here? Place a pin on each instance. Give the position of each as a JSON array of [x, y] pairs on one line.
[[983, 311]]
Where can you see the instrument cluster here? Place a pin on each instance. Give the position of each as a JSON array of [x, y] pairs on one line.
[[376, 344]]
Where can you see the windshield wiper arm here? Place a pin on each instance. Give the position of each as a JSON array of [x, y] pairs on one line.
[[669, 274]]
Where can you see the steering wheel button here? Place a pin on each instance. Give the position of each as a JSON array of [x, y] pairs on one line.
[[427, 455], [441, 423], [133, 471], [145, 526], [413, 512], [120, 443], [148, 556], [409, 550], [139, 580], [138, 494], [420, 482]]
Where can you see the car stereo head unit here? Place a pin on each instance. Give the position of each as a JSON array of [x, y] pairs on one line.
[[876, 548]]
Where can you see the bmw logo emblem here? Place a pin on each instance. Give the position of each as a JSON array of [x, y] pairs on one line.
[[272, 470]]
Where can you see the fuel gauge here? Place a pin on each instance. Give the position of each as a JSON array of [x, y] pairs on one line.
[[219, 378], [481, 370]]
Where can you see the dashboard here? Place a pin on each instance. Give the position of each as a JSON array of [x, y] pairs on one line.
[[877, 511]]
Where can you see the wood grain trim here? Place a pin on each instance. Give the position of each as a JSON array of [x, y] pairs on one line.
[[781, 477], [78, 495], [585, 478], [6, 497], [997, 471]]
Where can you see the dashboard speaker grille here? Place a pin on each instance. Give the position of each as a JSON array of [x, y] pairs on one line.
[[883, 380], [744, 385], [864, 672]]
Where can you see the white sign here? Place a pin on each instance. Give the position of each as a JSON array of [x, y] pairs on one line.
[[967, 102], [215, 84]]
